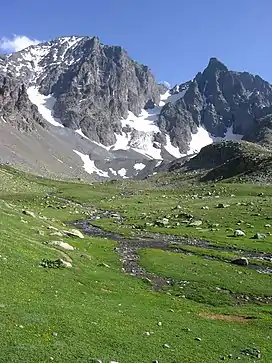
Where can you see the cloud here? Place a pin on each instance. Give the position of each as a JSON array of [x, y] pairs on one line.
[[17, 43]]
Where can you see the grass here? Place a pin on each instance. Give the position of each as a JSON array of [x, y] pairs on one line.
[[206, 275], [218, 254], [99, 312]]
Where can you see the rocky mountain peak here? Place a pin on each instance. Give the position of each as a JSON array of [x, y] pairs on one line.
[[215, 65], [96, 92]]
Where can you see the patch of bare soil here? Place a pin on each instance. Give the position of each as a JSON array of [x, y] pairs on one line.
[[235, 318]]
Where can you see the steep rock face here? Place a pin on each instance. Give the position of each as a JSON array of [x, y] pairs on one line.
[[217, 99], [94, 85], [15, 106], [261, 132]]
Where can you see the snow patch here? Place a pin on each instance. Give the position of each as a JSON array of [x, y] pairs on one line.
[[203, 138], [139, 166], [89, 165], [199, 140], [2, 118], [45, 105], [142, 129], [113, 171], [143, 122], [122, 172], [143, 143], [172, 149], [79, 131], [122, 141]]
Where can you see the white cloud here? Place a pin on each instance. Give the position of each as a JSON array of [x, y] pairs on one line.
[[17, 43]]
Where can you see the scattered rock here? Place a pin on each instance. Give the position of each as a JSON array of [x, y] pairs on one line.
[[242, 261], [268, 226], [239, 233], [103, 264], [166, 346], [251, 352], [59, 263], [198, 339], [162, 222], [74, 233]]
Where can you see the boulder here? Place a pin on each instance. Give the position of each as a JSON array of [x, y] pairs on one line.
[[239, 233], [62, 244], [195, 223], [29, 213], [74, 233], [241, 261], [259, 236]]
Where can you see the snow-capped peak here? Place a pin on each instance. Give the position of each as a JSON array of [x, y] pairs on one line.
[[38, 60]]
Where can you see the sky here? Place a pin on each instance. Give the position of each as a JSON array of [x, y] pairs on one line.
[[175, 38]]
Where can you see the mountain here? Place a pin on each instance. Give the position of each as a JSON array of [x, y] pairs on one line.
[[74, 101], [225, 160]]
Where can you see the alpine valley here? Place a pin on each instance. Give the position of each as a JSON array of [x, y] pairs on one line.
[[76, 108]]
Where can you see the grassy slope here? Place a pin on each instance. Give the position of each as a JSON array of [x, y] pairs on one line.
[[99, 312]]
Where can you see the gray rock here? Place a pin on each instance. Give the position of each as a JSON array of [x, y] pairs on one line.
[[74, 233], [259, 236], [239, 233], [222, 205], [62, 244], [195, 223], [162, 222], [242, 261], [29, 213], [15, 106]]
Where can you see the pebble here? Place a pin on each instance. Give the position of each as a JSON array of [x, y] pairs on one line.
[[198, 339], [166, 346], [54, 334], [159, 323]]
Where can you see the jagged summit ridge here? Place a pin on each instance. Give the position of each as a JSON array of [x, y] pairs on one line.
[[103, 96]]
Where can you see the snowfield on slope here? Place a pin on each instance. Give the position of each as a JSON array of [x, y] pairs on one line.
[[89, 165], [45, 105], [143, 128]]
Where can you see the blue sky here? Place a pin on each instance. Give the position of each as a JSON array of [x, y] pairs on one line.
[[175, 38]]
